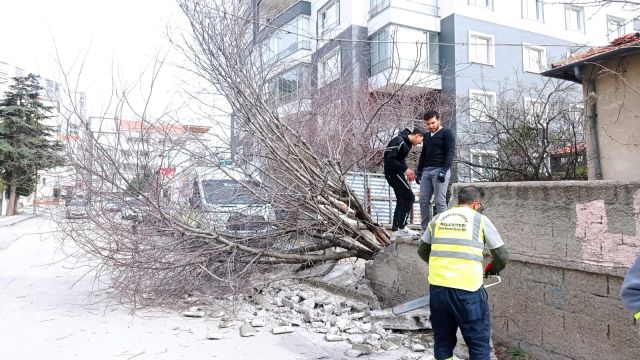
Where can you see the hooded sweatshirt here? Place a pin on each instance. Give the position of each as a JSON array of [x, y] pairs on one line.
[[396, 152]]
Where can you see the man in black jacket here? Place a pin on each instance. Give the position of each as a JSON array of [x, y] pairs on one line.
[[399, 175], [433, 170]]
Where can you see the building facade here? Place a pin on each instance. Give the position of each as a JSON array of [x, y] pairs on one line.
[[465, 49]]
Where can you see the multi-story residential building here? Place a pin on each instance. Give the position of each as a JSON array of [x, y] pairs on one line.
[[463, 49]]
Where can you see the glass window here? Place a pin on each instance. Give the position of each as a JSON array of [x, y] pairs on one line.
[[328, 16], [574, 18], [287, 86], [481, 48], [376, 6], [534, 111], [636, 24], [534, 58], [433, 49], [615, 27], [380, 51], [533, 9], [483, 160], [482, 105], [329, 68], [483, 3]]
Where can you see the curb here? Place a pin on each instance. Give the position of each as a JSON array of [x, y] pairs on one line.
[[17, 221]]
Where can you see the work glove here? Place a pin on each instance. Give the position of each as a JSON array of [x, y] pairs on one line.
[[488, 271], [442, 176]]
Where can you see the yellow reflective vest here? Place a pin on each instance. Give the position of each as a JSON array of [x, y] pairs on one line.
[[457, 242]]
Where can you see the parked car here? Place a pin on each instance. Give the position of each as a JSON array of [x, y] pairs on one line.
[[229, 201], [112, 206], [77, 209]]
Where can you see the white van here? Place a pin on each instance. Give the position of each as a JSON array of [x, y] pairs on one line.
[[230, 201]]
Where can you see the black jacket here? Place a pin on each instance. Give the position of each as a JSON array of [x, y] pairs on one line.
[[396, 152], [437, 150]]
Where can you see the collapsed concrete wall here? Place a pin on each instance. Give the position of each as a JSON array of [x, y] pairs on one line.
[[571, 244]]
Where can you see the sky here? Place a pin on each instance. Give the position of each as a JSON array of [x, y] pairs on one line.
[[115, 37]]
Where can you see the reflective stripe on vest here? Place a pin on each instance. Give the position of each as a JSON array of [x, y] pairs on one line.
[[457, 243], [637, 315]]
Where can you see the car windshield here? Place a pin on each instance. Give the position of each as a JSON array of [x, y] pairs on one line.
[[229, 192], [78, 203]]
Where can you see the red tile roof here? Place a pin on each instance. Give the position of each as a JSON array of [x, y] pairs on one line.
[[615, 44]]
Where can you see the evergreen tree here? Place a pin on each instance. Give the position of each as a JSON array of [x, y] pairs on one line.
[[26, 144]]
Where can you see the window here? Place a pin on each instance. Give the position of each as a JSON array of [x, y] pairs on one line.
[[329, 68], [380, 51], [482, 3], [287, 86], [533, 9], [482, 105], [534, 111], [483, 161], [636, 24], [433, 51], [574, 18], [328, 16], [615, 27], [481, 49], [376, 7], [288, 39], [534, 58]]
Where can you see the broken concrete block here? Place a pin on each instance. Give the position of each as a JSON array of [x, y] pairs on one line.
[[193, 314], [356, 316], [418, 348], [217, 314], [247, 330], [365, 349], [281, 330], [309, 303], [258, 322], [388, 346], [328, 309], [215, 336], [306, 295], [413, 320], [295, 299], [356, 339], [288, 303], [333, 337], [342, 323], [227, 324], [352, 353], [395, 339], [353, 330]]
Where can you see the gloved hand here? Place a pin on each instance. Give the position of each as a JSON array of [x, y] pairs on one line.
[[418, 177], [488, 271], [442, 176]]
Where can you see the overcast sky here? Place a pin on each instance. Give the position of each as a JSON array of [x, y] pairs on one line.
[[124, 35]]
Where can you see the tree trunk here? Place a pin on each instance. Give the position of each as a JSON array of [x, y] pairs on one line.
[[12, 206]]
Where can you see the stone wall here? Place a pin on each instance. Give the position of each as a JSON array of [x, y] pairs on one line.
[[570, 244]]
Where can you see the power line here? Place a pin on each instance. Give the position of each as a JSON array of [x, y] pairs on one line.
[[311, 37]]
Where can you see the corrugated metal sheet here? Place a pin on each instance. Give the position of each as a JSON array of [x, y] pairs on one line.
[[378, 197]]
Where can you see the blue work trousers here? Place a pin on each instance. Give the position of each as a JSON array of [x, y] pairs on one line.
[[468, 310]]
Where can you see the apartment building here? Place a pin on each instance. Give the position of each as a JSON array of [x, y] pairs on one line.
[[463, 48]]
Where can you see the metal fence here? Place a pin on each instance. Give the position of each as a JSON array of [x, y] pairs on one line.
[[378, 197]]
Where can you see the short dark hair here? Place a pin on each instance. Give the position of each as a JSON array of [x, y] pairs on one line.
[[468, 194], [429, 114], [417, 130]]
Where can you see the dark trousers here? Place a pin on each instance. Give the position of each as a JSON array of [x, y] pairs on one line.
[[404, 199], [453, 308]]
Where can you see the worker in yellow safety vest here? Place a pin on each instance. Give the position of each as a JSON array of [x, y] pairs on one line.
[[453, 247]]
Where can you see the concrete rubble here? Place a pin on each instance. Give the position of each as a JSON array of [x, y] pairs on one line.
[[287, 306]]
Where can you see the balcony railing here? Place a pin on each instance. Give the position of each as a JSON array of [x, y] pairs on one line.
[[427, 9], [266, 18], [423, 67], [378, 8], [300, 45]]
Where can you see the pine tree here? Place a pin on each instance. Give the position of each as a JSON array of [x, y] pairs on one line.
[[26, 144]]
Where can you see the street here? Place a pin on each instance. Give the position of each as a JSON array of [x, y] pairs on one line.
[[47, 311]]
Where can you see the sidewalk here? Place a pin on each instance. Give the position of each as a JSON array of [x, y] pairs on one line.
[[15, 219]]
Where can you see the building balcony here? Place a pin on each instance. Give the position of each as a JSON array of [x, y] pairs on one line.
[[300, 46], [270, 10], [423, 15], [391, 74]]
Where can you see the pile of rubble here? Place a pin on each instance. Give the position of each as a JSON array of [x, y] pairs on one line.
[[287, 306]]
